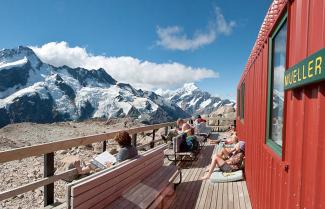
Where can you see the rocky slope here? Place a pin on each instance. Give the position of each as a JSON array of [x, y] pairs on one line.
[[21, 172], [193, 100], [33, 91]]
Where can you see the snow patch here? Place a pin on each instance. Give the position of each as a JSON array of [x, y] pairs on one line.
[[37, 88], [205, 103], [8, 65]]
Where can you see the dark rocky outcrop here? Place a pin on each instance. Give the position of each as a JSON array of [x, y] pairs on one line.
[[16, 76], [4, 117], [86, 111], [33, 108], [83, 76]]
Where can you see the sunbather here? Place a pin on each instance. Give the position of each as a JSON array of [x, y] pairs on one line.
[[227, 164], [127, 151]]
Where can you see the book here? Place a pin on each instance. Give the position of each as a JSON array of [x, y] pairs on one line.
[[101, 160]]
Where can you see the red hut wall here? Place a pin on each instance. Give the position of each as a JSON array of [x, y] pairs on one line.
[[270, 185]]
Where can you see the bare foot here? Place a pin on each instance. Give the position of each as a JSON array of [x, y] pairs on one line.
[[206, 176]]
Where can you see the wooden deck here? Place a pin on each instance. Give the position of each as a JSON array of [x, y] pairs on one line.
[[194, 193]]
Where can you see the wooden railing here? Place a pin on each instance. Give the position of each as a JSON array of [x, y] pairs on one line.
[[221, 124], [48, 150]]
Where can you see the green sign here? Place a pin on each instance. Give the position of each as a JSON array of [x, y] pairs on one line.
[[310, 70]]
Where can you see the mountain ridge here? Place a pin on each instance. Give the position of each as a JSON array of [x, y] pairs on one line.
[[33, 91], [193, 100]]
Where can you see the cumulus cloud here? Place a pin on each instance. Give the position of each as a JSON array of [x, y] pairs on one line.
[[139, 73], [174, 38]]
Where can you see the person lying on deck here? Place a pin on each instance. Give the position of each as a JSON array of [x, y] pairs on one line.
[[127, 151], [229, 163]]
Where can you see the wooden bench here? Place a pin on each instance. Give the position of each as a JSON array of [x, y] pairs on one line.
[[175, 155], [142, 183]]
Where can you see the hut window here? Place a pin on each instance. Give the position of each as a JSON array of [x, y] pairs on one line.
[[242, 100], [277, 65]]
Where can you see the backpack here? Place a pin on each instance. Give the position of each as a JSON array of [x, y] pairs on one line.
[[190, 144]]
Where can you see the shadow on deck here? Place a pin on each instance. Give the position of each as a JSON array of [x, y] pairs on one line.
[[194, 193]]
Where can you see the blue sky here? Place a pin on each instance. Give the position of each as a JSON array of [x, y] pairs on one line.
[[207, 39]]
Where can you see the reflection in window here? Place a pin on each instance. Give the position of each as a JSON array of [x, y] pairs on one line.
[[278, 68]]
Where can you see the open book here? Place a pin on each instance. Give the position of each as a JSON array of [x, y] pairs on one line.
[[101, 160]]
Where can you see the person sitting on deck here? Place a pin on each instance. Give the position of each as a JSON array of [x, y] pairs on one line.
[[127, 151], [181, 126], [230, 163]]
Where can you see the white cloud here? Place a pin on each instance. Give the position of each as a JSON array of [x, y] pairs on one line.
[[174, 38], [139, 73]]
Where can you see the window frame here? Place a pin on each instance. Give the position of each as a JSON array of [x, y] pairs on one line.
[[238, 102], [274, 146], [242, 100]]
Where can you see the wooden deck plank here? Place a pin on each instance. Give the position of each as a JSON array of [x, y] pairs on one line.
[[184, 198], [209, 197], [215, 196], [241, 195], [236, 197], [196, 184], [202, 195], [180, 189], [220, 194], [230, 195], [193, 193], [225, 196], [203, 192], [246, 195]]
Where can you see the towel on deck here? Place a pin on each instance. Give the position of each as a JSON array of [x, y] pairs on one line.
[[219, 177]]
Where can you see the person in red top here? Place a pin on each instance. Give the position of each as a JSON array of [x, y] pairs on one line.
[[199, 119]]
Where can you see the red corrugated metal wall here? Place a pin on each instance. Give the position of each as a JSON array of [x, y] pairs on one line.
[[269, 185]]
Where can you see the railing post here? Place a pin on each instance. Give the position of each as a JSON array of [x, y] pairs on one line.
[[134, 140], [166, 130], [152, 144], [104, 145], [49, 171]]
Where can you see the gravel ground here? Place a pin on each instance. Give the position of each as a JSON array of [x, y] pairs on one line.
[[17, 173]]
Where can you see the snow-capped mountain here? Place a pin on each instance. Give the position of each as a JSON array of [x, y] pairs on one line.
[[193, 100], [33, 91]]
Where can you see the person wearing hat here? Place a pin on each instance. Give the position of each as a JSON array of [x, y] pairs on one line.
[[199, 119], [231, 164]]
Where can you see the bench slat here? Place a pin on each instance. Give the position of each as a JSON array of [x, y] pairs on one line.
[[102, 203], [120, 183], [84, 185], [128, 199], [129, 170], [156, 192], [146, 191], [103, 188]]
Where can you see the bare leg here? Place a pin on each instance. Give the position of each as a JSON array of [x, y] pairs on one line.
[[82, 170], [217, 161], [224, 153]]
